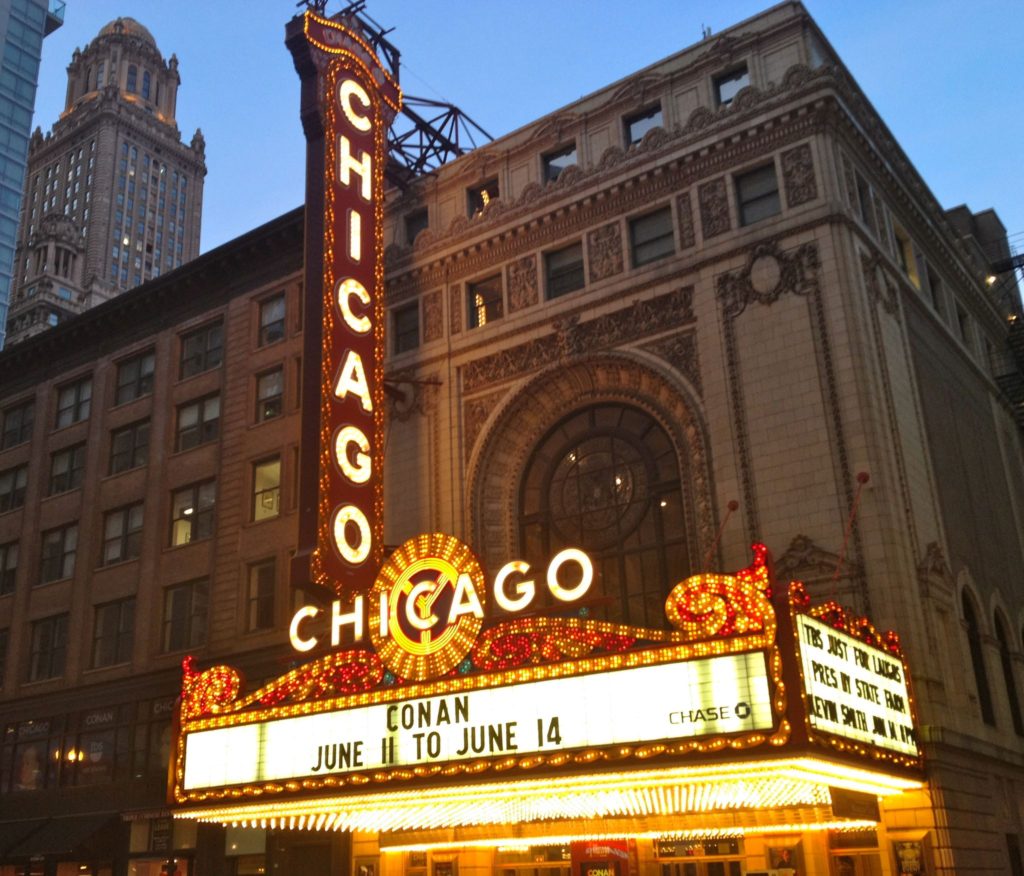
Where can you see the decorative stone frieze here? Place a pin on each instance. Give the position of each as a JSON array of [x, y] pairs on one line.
[[798, 175], [714, 208], [522, 283], [604, 252]]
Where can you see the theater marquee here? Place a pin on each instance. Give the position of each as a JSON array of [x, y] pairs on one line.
[[426, 679], [672, 701]]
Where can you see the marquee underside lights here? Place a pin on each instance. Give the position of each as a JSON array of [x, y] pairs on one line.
[[765, 785]]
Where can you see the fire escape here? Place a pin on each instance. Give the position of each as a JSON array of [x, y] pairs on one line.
[[1011, 376]]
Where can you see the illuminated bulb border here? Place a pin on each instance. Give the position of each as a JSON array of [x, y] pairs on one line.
[[861, 629]]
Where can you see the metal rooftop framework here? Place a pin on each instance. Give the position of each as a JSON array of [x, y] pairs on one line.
[[428, 133]]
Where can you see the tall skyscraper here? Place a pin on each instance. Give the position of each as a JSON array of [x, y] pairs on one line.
[[23, 24], [113, 196]]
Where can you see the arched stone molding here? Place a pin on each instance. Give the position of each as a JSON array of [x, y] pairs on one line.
[[516, 426], [966, 587]]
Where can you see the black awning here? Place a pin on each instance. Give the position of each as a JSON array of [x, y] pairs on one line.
[[90, 835], [14, 832]]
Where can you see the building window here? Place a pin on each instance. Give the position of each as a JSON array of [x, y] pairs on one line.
[[415, 222], [272, 314], [867, 213], [638, 124], [74, 401], [269, 395], [129, 446], [758, 194], [146, 84], [563, 270], [555, 162], [485, 302], [192, 510], [12, 488], [405, 327], [262, 583], [122, 535], [58, 553], [606, 479], [185, 611], [135, 377], [8, 567], [133, 75], [1012, 699], [49, 648], [266, 489], [974, 645], [112, 633], [728, 85], [5, 637], [651, 236], [935, 290], [480, 196], [198, 422], [202, 349], [963, 324], [17, 424], [67, 469], [905, 255]]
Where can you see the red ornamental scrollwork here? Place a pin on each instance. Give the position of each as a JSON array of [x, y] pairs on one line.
[[710, 605], [345, 672], [535, 641], [843, 619], [203, 693]]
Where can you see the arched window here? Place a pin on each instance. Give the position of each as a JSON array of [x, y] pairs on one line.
[[100, 72], [145, 84], [88, 80], [978, 660], [1012, 700], [606, 479], [133, 75]]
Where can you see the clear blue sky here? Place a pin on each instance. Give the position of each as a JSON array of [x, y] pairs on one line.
[[945, 75]]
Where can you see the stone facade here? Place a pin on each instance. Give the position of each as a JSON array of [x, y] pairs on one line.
[[766, 287]]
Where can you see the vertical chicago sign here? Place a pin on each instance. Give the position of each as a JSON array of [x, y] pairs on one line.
[[348, 102]]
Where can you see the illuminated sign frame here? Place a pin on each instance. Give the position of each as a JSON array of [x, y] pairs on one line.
[[356, 99], [886, 646], [713, 615]]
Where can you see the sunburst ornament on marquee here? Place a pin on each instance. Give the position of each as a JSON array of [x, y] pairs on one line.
[[427, 581]]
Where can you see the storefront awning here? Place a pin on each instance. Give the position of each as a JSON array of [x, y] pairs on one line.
[[65, 835]]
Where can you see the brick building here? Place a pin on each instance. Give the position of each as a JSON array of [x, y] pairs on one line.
[[718, 279]]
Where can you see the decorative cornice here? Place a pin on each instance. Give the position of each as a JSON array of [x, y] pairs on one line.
[[630, 195], [798, 82], [572, 338]]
